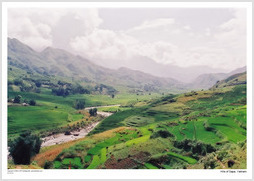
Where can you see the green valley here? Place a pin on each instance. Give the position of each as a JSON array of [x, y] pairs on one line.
[[129, 119]]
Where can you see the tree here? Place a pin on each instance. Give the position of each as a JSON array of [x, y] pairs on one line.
[[24, 147], [79, 104], [17, 99], [38, 84], [32, 102], [93, 112], [18, 82], [61, 92]]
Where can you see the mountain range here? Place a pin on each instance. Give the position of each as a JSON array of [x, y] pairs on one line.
[[206, 81], [139, 72], [148, 65], [61, 63]]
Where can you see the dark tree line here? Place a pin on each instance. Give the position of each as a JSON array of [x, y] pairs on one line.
[[24, 147]]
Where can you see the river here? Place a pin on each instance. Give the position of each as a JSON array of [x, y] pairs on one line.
[[61, 138]]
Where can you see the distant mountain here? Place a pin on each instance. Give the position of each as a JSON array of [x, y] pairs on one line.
[[235, 79], [206, 81], [61, 63], [147, 65]]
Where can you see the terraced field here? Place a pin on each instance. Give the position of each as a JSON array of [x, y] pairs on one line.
[[182, 136], [195, 130]]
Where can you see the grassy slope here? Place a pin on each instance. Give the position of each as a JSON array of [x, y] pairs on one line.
[[185, 116], [44, 115], [220, 109]]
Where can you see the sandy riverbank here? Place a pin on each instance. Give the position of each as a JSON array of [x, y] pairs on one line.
[[61, 138]]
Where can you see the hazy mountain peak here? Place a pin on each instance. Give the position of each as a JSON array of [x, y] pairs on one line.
[[61, 63], [16, 45]]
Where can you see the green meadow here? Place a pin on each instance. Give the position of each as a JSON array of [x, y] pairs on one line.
[[146, 131]]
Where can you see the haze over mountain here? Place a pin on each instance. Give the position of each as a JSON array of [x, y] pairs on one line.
[[61, 63], [148, 65], [157, 41], [206, 81]]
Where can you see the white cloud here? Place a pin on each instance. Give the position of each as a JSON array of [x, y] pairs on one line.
[[208, 32], [153, 24], [22, 28], [172, 45], [40, 28], [165, 40], [187, 27], [161, 52], [231, 36], [104, 44]]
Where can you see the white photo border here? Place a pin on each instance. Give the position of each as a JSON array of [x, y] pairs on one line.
[[126, 174]]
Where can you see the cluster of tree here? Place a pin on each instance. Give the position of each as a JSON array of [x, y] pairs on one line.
[[67, 89], [24, 147], [93, 112], [196, 147], [162, 133], [18, 99], [105, 89], [149, 88], [19, 65], [79, 104], [24, 87], [61, 91], [192, 93]]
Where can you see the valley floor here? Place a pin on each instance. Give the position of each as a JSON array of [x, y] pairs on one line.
[[196, 130]]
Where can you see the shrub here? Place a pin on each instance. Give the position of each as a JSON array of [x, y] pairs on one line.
[[207, 126], [17, 99], [162, 133], [61, 92], [87, 158], [209, 161], [196, 147], [48, 165], [24, 147], [32, 102], [79, 104], [67, 133], [57, 164], [93, 112], [221, 155], [18, 82], [38, 84]]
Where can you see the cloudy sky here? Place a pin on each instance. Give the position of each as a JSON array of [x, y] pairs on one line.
[[179, 36]]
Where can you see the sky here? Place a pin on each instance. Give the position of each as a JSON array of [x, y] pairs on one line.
[[214, 37]]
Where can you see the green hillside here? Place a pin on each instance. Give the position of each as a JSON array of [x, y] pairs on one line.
[[195, 130], [56, 62], [155, 123]]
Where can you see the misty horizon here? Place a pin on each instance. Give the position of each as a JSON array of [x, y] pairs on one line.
[[181, 37]]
